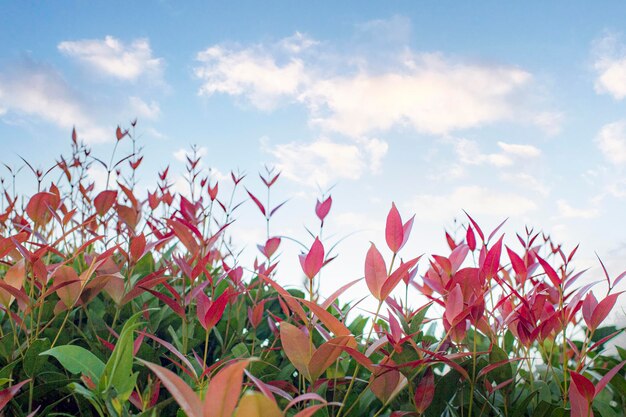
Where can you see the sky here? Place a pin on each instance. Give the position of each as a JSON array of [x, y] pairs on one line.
[[503, 110]]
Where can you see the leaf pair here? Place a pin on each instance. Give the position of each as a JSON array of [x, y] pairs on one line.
[[595, 312], [582, 392], [221, 396], [379, 283], [310, 361]]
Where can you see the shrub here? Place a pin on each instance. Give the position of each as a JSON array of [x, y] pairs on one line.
[[118, 305]]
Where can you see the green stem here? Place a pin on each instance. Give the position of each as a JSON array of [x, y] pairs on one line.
[[358, 366], [60, 329]]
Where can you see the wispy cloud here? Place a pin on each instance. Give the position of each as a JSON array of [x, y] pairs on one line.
[[476, 200], [140, 108], [611, 140], [356, 95], [251, 73], [610, 65], [322, 161], [468, 152], [33, 89], [114, 58], [567, 211]]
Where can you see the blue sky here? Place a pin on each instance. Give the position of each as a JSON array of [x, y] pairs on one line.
[[504, 110]]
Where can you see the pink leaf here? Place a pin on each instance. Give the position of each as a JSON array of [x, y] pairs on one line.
[[322, 208], [394, 231], [550, 272], [223, 391], [392, 281], [406, 230], [478, 230], [375, 271], [603, 309], [518, 265], [257, 202], [589, 305], [454, 305], [314, 260], [491, 264], [181, 392]]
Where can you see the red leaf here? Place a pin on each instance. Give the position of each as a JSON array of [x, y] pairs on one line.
[[550, 272], [170, 302], [322, 208], [375, 272], [137, 247], [518, 265], [451, 242], [425, 391], [257, 202], [478, 230], [491, 264], [8, 393], [583, 385], [216, 311], [470, 238], [40, 207]]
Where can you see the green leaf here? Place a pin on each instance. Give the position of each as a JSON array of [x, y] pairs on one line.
[[602, 332], [445, 390], [33, 361], [77, 360], [521, 406], [501, 373], [119, 368]]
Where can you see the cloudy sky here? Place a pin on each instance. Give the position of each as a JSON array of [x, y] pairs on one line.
[[515, 110]]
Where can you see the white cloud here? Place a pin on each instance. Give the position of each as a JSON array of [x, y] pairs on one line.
[[322, 161], [528, 181], [298, 42], [141, 109], [37, 90], [567, 211], [249, 72], [475, 200], [431, 94], [522, 151], [551, 122], [359, 96], [611, 140], [112, 57], [469, 153], [610, 65]]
